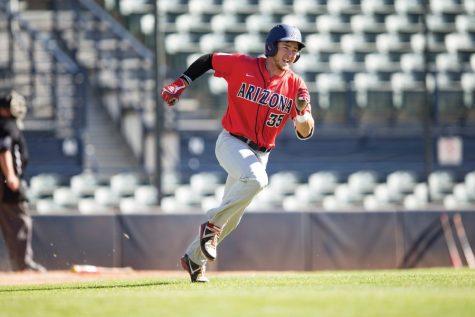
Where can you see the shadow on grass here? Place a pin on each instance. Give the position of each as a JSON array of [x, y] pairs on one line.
[[84, 286]]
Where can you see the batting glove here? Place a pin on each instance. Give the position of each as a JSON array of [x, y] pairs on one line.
[[172, 92], [303, 99]]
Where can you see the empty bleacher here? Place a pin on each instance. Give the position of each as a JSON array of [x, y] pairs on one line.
[[379, 72]]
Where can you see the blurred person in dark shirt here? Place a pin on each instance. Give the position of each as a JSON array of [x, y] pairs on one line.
[[15, 220]]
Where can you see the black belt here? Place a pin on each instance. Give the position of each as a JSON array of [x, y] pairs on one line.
[[251, 144]]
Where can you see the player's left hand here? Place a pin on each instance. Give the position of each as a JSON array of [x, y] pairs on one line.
[[302, 101], [171, 93]]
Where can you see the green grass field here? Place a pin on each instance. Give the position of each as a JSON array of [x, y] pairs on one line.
[[428, 292]]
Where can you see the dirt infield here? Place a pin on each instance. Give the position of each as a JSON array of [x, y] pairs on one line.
[[56, 277]]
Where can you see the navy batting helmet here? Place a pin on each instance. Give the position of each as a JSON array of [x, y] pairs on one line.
[[282, 32]]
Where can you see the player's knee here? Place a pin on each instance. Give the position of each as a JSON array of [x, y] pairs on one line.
[[256, 182]]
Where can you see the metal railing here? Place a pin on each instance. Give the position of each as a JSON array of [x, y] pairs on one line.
[[119, 66], [52, 81]]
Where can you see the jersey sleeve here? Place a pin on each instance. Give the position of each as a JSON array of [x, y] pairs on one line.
[[223, 64], [5, 139]]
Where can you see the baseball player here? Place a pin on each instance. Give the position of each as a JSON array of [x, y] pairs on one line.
[[263, 93]]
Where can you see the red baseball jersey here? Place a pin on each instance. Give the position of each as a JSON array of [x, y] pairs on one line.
[[258, 105]]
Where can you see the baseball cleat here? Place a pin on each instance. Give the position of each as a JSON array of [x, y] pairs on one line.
[[197, 273], [209, 236]]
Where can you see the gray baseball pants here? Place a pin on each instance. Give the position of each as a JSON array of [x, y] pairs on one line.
[[247, 176]]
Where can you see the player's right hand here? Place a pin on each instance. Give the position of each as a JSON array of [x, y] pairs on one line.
[[171, 93], [302, 100]]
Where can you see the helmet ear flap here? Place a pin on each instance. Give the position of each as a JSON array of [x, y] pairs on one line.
[[271, 49], [297, 57]]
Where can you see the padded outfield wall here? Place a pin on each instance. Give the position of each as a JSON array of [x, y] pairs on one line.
[[263, 241]]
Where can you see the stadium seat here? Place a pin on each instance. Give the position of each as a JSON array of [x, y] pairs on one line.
[[469, 181], [465, 23], [322, 46], [249, 43], [43, 184], [131, 205], [332, 25], [461, 45], [308, 66], [172, 205], [105, 196], [449, 101], [180, 43], [468, 87], [214, 42], [345, 66], [367, 26], [204, 7], [177, 7], [268, 199], [323, 182], [89, 206], [413, 64], [402, 26], [388, 43], [379, 8], [301, 21], [260, 24], [409, 7], [390, 195], [307, 195], [374, 98], [447, 8], [362, 182], [452, 203], [343, 8], [375, 203], [347, 194], [227, 24], [439, 27], [381, 65], [469, 7], [310, 7], [293, 203], [332, 203], [355, 45], [205, 183], [401, 181], [124, 184], [187, 196], [170, 181], [284, 182], [64, 197], [147, 24], [333, 98], [241, 7], [463, 193], [46, 206], [421, 192], [440, 184], [275, 7], [449, 64], [84, 184], [414, 202], [188, 23], [409, 98], [218, 86]]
